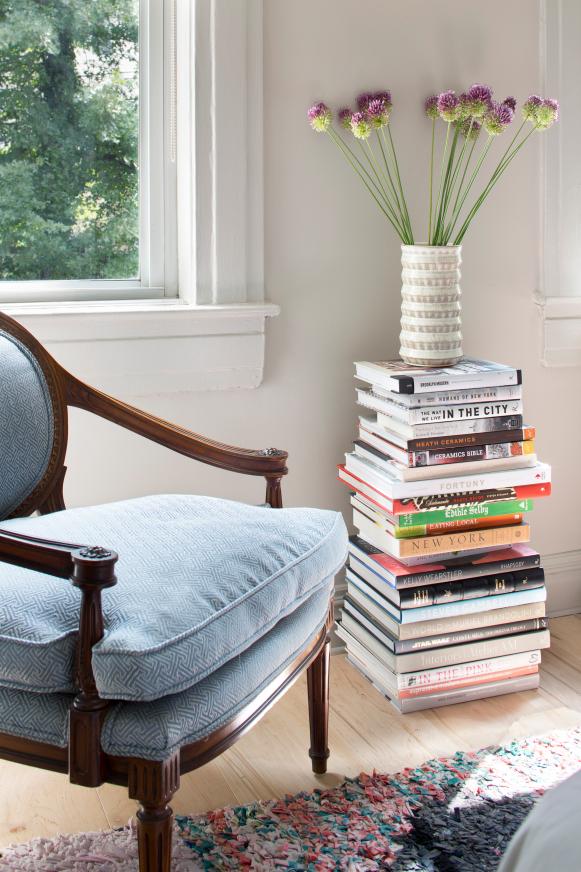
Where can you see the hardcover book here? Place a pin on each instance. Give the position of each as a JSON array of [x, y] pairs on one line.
[[450, 398], [395, 375], [439, 414], [444, 428]]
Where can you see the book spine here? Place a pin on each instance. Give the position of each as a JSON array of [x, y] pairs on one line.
[[452, 398], [467, 540], [470, 621], [476, 512], [477, 681], [483, 604], [468, 498], [464, 440], [428, 383], [462, 637], [472, 588], [441, 414], [452, 428], [471, 669], [492, 648], [465, 694], [469, 454], [455, 526]]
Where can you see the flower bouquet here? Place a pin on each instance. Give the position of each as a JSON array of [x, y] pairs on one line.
[[464, 128]]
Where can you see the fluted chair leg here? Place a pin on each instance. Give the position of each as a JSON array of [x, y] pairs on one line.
[[154, 784], [318, 690]]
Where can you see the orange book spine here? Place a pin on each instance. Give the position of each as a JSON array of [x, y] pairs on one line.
[[463, 682]]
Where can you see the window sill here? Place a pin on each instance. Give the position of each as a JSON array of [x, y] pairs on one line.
[[175, 347], [561, 330]]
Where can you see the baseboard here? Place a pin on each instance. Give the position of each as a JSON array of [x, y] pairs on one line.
[[563, 580]]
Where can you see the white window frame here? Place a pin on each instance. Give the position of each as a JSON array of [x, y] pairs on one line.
[[157, 180], [558, 301], [216, 324]]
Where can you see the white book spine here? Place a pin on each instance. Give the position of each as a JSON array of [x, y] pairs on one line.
[[453, 484], [441, 414], [446, 428], [473, 669], [476, 395]]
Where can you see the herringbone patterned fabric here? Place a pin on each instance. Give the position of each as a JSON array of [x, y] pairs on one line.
[[26, 424], [200, 580], [155, 730]]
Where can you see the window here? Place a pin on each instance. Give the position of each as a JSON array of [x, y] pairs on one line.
[[87, 149], [559, 299]]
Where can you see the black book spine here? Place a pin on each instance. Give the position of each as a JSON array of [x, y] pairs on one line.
[[409, 646], [471, 588], [465, 440]]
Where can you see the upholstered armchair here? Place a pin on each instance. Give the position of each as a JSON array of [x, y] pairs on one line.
[[140, 639]]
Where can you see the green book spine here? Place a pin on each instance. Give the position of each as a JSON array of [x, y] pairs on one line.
[[462, 513]]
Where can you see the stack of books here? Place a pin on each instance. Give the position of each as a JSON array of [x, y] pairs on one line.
[[445, 599]]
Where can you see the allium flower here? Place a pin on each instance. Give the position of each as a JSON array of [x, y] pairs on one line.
[[531, 107], [385, 97], [360, 126], [479, 99], [377, 113], [547, 114], [510, 102], [497, 118], [465, 107], [470, 129], [363, 101], [344, 116], [431, 106], [320, 117], [448, 106]]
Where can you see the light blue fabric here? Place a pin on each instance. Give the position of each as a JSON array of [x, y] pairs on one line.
[[26, 424], [156, 729], [199, 580]]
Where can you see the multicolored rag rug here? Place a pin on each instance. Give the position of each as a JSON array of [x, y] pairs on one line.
[[454, 814]]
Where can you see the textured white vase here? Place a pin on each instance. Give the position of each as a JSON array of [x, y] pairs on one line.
[[430, 305]]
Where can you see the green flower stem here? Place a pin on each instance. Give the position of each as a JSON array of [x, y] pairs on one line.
[[387, 170], [404, 204], [353, 159], [476, 170], [393, 207], [432, 240], [447, 182], [459, 191], [346, 151], [453, 179], [500, 169], [431, 179]]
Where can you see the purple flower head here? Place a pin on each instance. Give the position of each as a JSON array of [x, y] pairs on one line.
[[344, 116], [377, 113], [465, 107], [431, 106], [510, 102], [320, 117], [363, 101], [385, 97], [470, 129], [547, 114], [360, 126], [531, 107], [448, 106], [497, 118], [479, 98]]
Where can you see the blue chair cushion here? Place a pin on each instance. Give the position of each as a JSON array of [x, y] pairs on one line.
[[26, 423], [156, 729], [199, 581]]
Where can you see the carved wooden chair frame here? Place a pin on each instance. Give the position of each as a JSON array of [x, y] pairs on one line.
[[91, 568]]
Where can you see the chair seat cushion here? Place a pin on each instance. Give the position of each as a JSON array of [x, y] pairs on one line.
[[154, 730], [199, 581]]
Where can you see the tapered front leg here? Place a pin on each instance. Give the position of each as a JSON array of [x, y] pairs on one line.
[[154, 783], [318, 690]]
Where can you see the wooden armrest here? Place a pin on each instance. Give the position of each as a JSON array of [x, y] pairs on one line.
[[267, 462], [90, 565]]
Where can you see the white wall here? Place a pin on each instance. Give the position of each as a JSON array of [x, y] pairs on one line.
[[333, 264]]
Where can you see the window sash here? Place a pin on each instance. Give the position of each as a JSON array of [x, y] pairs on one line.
[[157, 179]]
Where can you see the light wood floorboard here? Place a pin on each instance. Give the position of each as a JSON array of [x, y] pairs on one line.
[[366, 733]]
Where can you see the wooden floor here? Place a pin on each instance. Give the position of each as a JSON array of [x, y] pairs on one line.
[[366, 733]]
